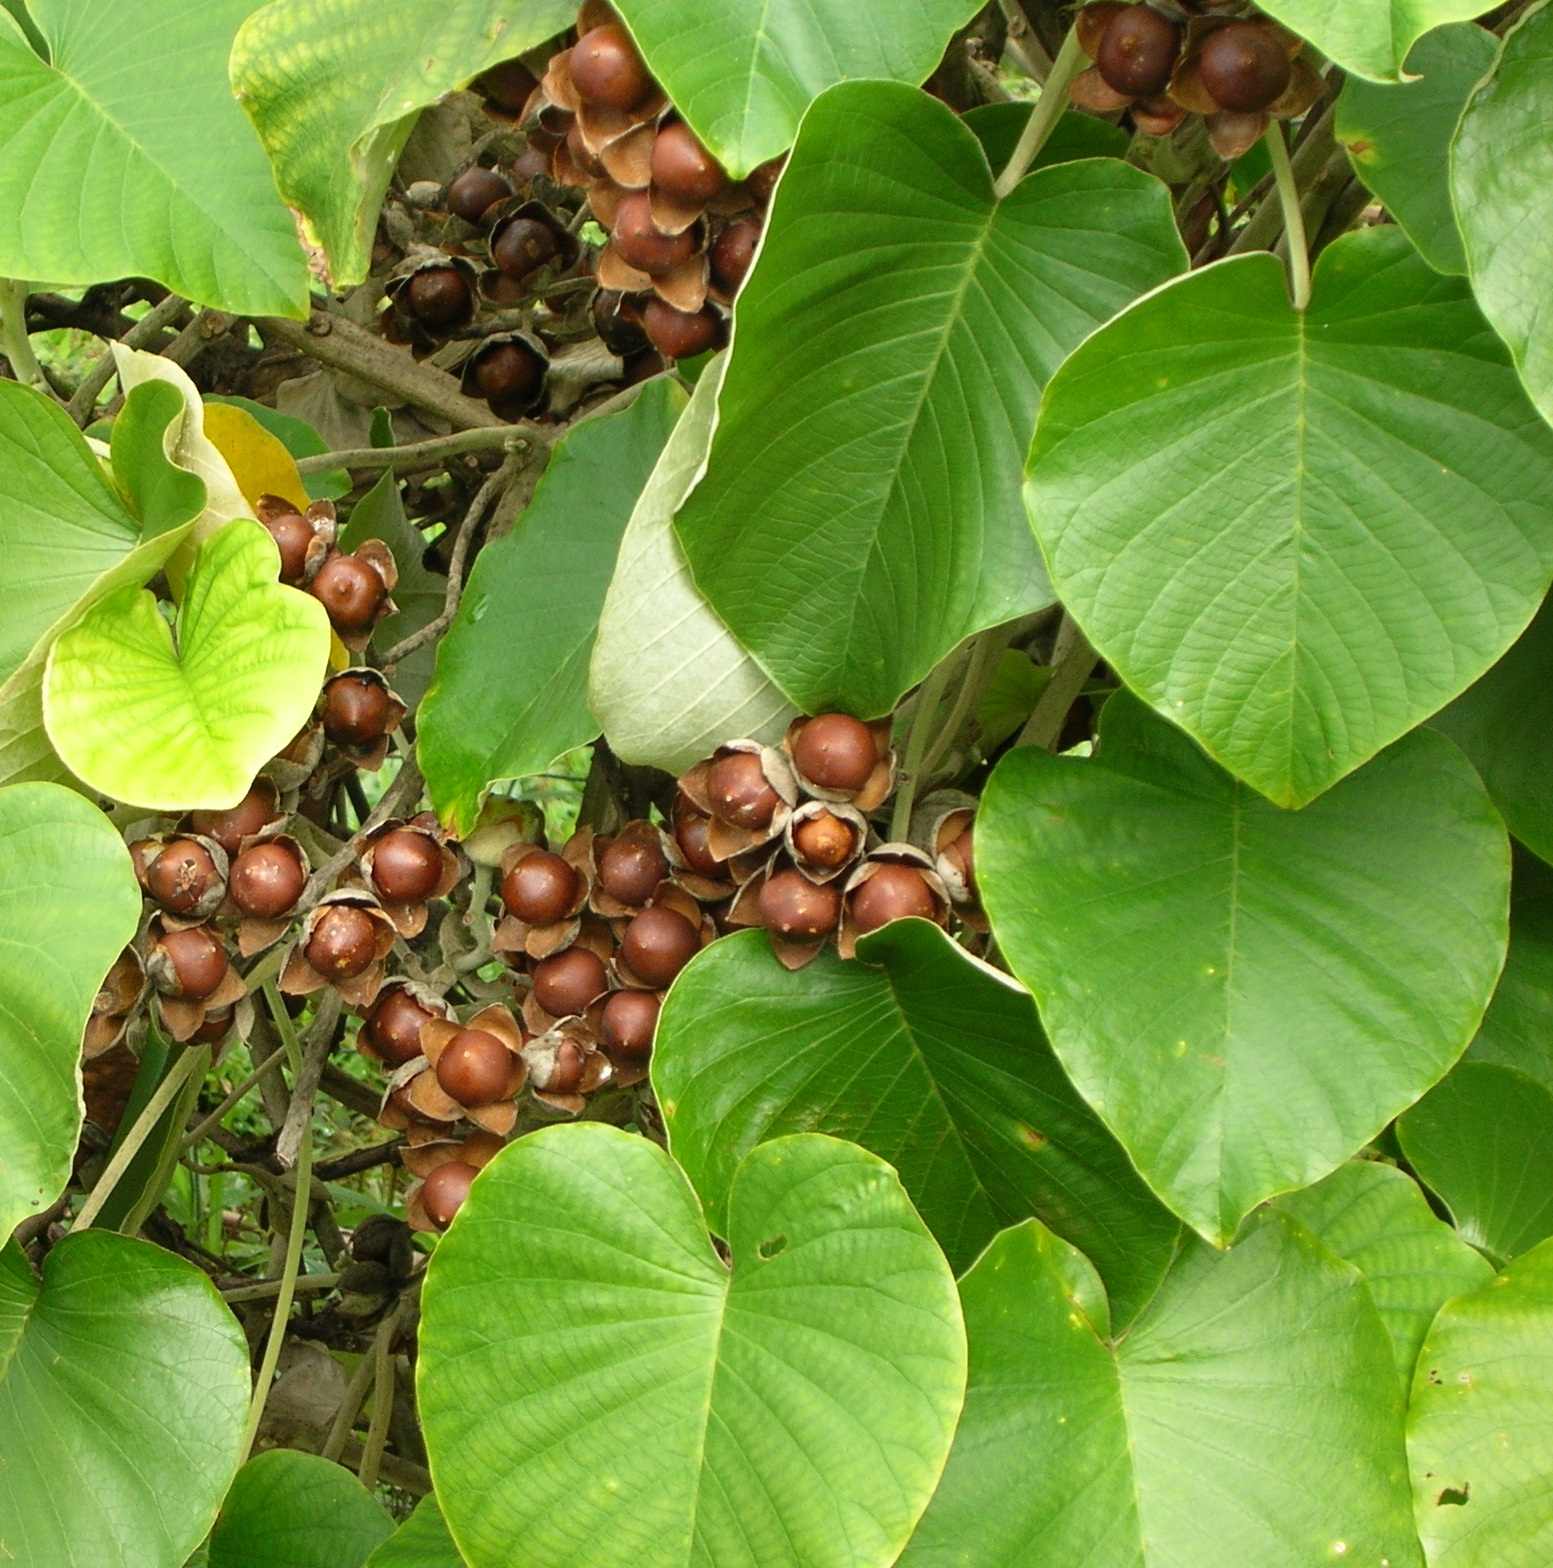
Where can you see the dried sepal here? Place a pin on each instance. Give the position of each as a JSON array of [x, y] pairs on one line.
[[1234, 135], [117, 998], [1091, 22], [184, 1017], [725, 839], [291, 768], [1090, 90], [685, 285]]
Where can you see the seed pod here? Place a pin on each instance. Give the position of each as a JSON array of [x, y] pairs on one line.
[[355, 589], [509, 371], [895, 882], [438, 296], [732, 253], [116, 1000], [406, 864], [190, 969], [824, 839], [187, 877], [658, 943], [679, 334], [607, 70], [506, 88], [343, 943], [567, 983], [564, 1068], [473, 193], [474, 1069], [628, 869], [442, 1194], [748, 790], [392, 1028], [629, 1021], [526, 238], [1244, 67], [267, 878], [1138, 51], [359, 711], [841, 759]]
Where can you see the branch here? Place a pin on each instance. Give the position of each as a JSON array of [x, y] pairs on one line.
[[144, 333], [320, 1041], [428, 454]]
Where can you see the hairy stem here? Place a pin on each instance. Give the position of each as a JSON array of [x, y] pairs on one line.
[[144, 333], [1044, 116]]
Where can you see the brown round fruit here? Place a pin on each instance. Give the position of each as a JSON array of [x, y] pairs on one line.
[[680, 334], [630, 1017], [350, 589], [475, 1068], [344, 942], [836, 751], [181, 876], [567, 982], [443, 1192], [267, 880], [762, 179], [659, 943], [631, 867], [197, 959], [607, 70], [690, 830], [740, 792], [393, 1027], [522, 246], [892, 893], [732, 252], [794, 907], [640, 244], [683, 169], [824, 841], [406, 866], [1138, 51], [292, 534], [260, 806], [1244, 67], [540, 889], [438, 296], [508, 85], [509, 373], [475, 192], [356, 710]]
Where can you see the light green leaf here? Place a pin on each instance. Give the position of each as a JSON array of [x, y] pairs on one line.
[[859, 514], [926, 1057], [163, 496], [1296, 535], [1502, 176], [1370, 37], [1518, 1027], [1250, 1416], [1478, 1437], [1398, 135], [68, 904], [422, 1541], [1246, 995], [334, 88], [123, 1390], [101, 178], [176, 724], [597, 1385], [668, 682], [292, 1510], [511, 691], [1374, 1217]]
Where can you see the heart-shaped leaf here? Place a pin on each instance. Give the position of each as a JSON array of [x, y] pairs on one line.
[[1518, 1027], [1477, 1434], [1251, 1415], [173, 724], [422, 1541], [598, 1385], [123, 1390], [1245, 995], [511, 691], [291, 1510], [931, 1060], [668, 682], [859, 514], [1369, 37], [103, 179], [163, 496], [1296, 534], [68, 904]]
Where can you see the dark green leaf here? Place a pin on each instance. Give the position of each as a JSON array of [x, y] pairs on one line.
[[294, 1510], [998, 127], [422, 1541], [1518, 1027]]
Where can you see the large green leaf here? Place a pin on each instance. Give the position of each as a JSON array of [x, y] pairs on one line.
[[1296, 534], [1398, 135], [1478, 1437], [422, 1541], [68, 904], [162, 495], [1518, 1027], [1370, 37], [511, 691], [103, 175], [174, 723], [293, 1510], [668, 682], [1246, 995], [334, 88], [930, 1059], [123, 1390], [1502, 175], [1250, 1416], [1374, 1217], [598, 1388], [859, 514]]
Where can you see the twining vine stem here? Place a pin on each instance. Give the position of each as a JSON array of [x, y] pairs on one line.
[[1073, 662], [929, 695], [1293, 216], [1070, 60]]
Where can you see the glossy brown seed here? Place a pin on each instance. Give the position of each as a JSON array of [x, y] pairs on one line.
[[732, 252], [292, 534], [181, 876], [393, 1027], [475, 1068], [962, 852], [1138, 51], [630, 1017], [824, 841], [631, 867], [197, 959], [350, 590], [343, 943], [443, 1192], [690, 830], [835, 751], [762, 179], [680, 334], [509, 372], [658, 943], [522, 246], [540, 889], [406, 866], [892, 893], [356, 710], [508, 85], [475, 191], [229, 828], [637, 239], [566, 1073], [740, 792], [1244, 67], [567, 982], [683, 169], [267, 880], [438, 296], [607, 70], [794, 907]]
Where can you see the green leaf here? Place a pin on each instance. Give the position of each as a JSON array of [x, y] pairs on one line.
[[300, 440], [68, 904], [334, 88], [860, 511], [1398, 135], [101, 178], [1478, 1437], [61, 525], [1374, 1217], [162, 495], [1370, 37], [998, 127], [668, 682], [511, 691], [743, 79], [292, 1510], [1296, 535], [1010, 698], [422, 1541], [1505, 725], [1250, 1416], [123, 1390], [1483, 1142], [1246, 995], [173, 725], [1518, 1027], [597, 1385], [1502, 176], [927, 1058]]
